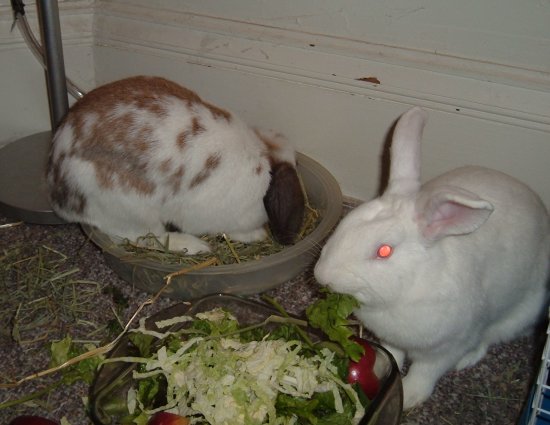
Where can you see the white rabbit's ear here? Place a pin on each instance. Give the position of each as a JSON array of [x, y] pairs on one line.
[[451, 211], [405, 152]]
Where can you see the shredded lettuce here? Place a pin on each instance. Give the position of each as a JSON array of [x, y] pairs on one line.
[[219, 379]]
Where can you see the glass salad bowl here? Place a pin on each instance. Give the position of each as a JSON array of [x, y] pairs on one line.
[[246, 278], [114, 379]]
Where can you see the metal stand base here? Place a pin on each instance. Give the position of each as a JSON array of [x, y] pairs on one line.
[[23, 194]]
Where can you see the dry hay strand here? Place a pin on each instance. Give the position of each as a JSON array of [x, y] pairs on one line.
[[40, 293], [224, 250]]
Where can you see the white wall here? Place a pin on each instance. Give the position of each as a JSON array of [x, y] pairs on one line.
[[331, 74], [23, 94]]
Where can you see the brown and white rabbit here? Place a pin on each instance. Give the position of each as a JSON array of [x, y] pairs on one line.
[[146, 155], [444, 270]]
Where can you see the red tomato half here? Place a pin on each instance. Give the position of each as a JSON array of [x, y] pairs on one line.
[[362, 371], [32, 420], [165, 418]]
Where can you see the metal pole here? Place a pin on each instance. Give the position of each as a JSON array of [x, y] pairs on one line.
[[23, 193], [48, 11]]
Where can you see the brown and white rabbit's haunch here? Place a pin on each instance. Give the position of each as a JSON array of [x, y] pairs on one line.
[[442, 270], [146, 155]]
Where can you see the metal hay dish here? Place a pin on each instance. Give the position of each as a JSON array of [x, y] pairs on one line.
[[246, 278]]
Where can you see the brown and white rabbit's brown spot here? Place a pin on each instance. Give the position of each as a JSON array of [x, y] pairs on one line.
[[196, 129], [276, 147], [135, 91], [174, 180], [146, 94], [258, 170], [181, 140], [62, 194], [116, 163], [165, 166], [154, 88], [172, 176], [68, 198], [218, 113], [211, 163]]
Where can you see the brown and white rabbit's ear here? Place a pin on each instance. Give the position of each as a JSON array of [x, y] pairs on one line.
[[284, 203], [451, 211]]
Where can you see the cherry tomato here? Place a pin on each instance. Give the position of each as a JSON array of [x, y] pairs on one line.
[[32, 420], [362, 371], [165, 418]]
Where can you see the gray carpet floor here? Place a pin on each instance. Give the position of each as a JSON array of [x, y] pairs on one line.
[[492, 392]]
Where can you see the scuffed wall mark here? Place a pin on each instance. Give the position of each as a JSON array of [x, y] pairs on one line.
[[343, 13], [261, 51], [372, 80], [400, 13], [300, 19], [208, 43], [199, 64]]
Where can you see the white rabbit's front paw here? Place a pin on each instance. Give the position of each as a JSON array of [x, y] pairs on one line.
[[415, 391], [189, 243], [420, 381], [252, 236]]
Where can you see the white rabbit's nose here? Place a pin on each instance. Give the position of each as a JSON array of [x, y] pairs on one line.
[[322, 271]]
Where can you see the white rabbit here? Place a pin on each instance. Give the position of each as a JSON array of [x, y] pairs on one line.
[[443, 270], [145, 155]]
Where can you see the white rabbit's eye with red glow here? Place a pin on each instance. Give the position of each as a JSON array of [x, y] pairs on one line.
[[384, 251]]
